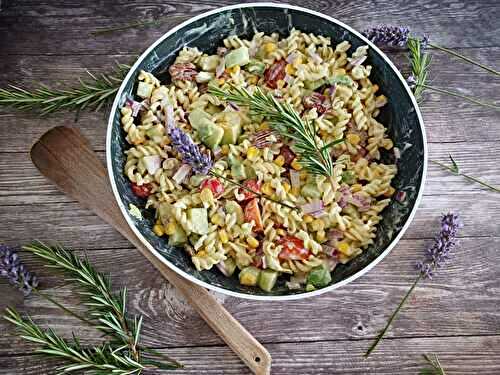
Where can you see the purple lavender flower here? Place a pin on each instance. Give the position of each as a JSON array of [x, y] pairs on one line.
[[190, 151], [12, 269], [444, 243], [384, 35]]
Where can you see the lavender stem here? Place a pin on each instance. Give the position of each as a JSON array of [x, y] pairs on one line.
[[457, 95]]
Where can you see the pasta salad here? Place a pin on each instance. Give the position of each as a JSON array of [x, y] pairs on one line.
[[219, 214]]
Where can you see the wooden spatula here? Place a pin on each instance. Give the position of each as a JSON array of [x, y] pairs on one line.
[[64, 156]]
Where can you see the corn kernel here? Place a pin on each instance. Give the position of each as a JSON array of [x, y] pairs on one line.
[[217, 219], [201, 253], [233, 70], [321, 235], [252, 242], [267, 188], [224, 150], [388, 144], [252, 80], [279, 161], [290, 70], [286, 187], [343, 248], [269, 47], [356, 187], [317, 224], [308, 219], [170, 228], [281, 232], [353, 139], [253, 153], [206, 195], [298, 60], [264, 126], [296, 165], [389, 192], [223, 236], [221, 81], [158, 221], [158, 230], [295, 190]]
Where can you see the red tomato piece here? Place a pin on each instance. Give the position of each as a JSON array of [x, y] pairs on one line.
[[183, 72], [315, 100], [287, 154], [214, 185], [293, 249], [252, 212], [252, 185], [142, 191], [274, 73]]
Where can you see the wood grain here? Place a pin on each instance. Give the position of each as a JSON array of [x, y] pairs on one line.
[[459, 356], [64, 156], [456, 315], [462, 299]]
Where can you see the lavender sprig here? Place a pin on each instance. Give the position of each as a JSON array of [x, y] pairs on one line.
[[398, 36], [17, 274], [190, 152], [436, 255]]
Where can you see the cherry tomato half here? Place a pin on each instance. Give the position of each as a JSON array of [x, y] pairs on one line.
[[142, 191], [293, 249], [214, 185]]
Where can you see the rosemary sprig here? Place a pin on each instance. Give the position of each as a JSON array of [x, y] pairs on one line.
[[435, 369], [420, 63], [107, 308], [314, 155], [93, 93], [99, 360], [455, 170]]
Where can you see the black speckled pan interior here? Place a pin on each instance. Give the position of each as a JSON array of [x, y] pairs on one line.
[[206, 32]]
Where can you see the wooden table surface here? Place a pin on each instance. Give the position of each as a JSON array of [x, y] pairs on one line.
[[456, 316]]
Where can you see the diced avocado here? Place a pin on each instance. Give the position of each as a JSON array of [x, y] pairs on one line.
[[232, 130], [144, 90], [238, 171], [199, 219], [193, 238], [209, 63], [155, 131], [196, 179], [310, 288], [237, 57], [234, 207], [313, 85], [250, 172], [319, 276], [178, 237], [204, 77], [249, 276], [210, 134], [212, 109], [198, 117], [349, 177], [267, 280], [256, 67], [229, 265], [311, 191]]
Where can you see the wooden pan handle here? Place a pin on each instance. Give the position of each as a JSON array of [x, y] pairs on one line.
[[64, 156]]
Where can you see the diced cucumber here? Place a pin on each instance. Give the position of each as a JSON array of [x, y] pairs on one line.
[[250, 172], [267, 280], [319, 276], [232, 127], [198, 117], [311, 191], [204, 77], [249, 276], [209, 63], [341, 80], [233, 207], [178, 237], [197, 179], [310, 288], [229, 265], [199, 220], [144, 90], [256, 67], [193, 238], [237, 57], [313, 85]]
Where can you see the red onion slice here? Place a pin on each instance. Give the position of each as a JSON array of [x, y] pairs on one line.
[[152, 163], [315, 208], [182, 173], [222, 268], [169, 109], [219, 70], [295, 178]]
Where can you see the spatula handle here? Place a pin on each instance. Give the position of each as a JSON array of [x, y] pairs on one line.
[[64, 156]]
